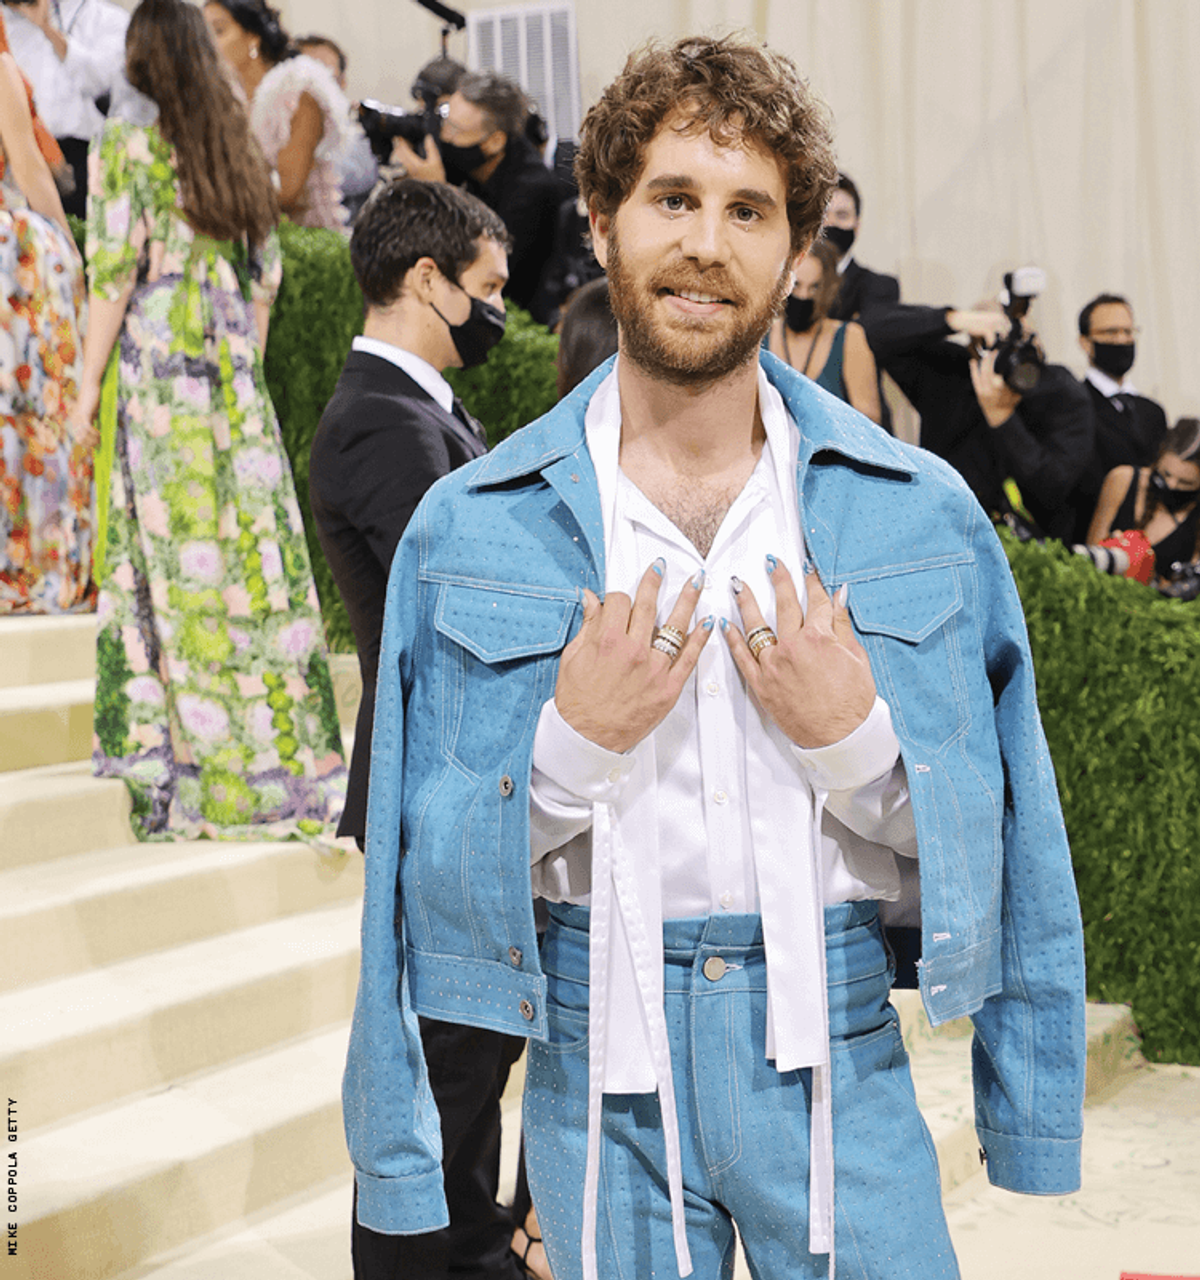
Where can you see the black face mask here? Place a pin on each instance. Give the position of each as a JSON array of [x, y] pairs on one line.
[[1172, 499], [1113, 358], [461, 162], [799, 313], [478, 333], [840, 237]]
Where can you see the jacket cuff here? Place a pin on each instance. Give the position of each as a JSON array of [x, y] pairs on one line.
[[1032, 1166], [402, 1206], [867, 753], [576, 764]]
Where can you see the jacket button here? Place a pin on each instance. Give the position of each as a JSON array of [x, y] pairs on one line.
[[506, 786], [526, 1010], [714, 968], [514, 954]]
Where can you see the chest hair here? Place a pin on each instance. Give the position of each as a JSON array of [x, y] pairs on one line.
[[695, 509]]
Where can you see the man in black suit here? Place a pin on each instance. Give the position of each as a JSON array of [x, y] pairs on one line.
[[1129, 427], [431, 261]]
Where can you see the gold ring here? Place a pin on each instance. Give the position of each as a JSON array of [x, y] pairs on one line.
[[668, 640], [761, 638]]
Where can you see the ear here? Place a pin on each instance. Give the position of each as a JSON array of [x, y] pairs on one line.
[[421, 278], [494, 143], [1086, 345], [599, 224]]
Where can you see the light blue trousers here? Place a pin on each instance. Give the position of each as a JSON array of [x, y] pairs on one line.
[[744, 1126]]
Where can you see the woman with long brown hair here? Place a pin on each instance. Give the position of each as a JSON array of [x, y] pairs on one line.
[[213, 695], [45, 480]]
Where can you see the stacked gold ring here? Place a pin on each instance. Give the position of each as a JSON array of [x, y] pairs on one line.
[[761, 638], [668, 640]]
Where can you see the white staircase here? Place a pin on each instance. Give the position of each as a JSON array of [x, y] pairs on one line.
[[175, 1017]]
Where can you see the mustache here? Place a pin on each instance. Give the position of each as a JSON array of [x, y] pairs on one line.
[[673, 280]]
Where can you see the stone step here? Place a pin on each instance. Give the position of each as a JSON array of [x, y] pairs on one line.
[[35, 649], [102, 1193], [70, 914], [60, 811], [48, 723], [86, 1041]]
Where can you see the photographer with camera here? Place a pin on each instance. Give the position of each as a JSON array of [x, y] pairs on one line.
[[73, 53], [990, 405], [482, 146]]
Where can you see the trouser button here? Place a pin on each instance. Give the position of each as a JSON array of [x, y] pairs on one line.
[[714, 968]]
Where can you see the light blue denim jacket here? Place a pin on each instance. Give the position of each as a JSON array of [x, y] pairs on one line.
[[485, 591]]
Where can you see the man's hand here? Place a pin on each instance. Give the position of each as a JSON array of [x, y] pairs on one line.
[[987, 326], [429, 169], [816, 683], [613, 687], [996, 398]]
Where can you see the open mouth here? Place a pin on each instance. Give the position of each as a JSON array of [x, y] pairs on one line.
[[696, 298]]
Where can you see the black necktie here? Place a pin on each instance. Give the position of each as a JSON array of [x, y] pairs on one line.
[[1118, 403], [473, 425]]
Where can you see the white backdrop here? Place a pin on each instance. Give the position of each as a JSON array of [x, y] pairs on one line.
[[984, 134]]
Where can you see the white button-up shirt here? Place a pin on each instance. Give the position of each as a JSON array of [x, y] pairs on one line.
[[716, 810]]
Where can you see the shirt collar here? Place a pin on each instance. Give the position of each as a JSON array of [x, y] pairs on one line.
[[420, 371], [1108, 386]]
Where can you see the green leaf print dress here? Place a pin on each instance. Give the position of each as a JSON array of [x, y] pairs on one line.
[[213, 697]]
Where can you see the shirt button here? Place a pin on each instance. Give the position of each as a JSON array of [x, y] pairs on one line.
[[714, 968], [514, 954], [726, 900], [506, 786], [712, 688], [526, 1010], [615, 775], [720, 797]]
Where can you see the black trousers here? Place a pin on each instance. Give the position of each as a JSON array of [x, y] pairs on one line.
[[75, 152], [468, 1069]]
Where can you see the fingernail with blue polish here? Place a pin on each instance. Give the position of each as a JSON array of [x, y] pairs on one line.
[[707, 624], [736, 583], [772, 563], [659, 566], [698, 581], [724, 623], [807, 567]]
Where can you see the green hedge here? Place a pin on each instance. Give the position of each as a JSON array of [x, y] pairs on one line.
[[1118, 671]]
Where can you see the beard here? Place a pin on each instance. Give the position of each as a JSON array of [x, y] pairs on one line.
[[686, 353]]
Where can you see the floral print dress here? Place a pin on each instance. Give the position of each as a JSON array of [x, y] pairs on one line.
[[214, 700], [45, 479]]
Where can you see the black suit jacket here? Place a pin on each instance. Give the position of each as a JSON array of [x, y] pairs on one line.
[[1129, 431], [381, 442], [862, 292]]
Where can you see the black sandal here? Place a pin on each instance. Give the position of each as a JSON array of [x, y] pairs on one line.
[[523, 1258]]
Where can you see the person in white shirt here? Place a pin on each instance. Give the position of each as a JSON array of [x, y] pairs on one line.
[[73, 52]]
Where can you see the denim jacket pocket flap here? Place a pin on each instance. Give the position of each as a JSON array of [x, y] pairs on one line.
[[500, 624], [908, 605]]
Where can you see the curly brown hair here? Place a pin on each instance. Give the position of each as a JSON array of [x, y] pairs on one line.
[[729, 86]]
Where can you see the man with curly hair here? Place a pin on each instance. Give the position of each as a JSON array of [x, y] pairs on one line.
[[735, 674]]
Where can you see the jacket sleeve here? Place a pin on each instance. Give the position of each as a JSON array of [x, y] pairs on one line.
[[392, 1124], [1030, 1050]]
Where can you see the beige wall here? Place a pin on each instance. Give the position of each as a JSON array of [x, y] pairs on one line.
[[984, 134]]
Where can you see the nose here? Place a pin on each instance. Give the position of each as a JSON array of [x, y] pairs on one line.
[[706, 239]]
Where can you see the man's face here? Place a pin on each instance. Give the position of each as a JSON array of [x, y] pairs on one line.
[[1111, 323], [484, 279], [840, 211], [465, 124], [698, 256]]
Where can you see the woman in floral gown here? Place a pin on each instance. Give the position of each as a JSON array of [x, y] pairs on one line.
[[213, 698], [45, 479]]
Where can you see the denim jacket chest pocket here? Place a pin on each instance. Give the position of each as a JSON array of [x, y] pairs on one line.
[[910, 622], [500, 644]]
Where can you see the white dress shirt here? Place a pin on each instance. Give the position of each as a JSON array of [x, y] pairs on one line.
[[722, 811], [1108, 385], [420, 371], [65, 91]]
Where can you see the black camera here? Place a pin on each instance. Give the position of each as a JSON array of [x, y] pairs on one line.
[[382, 124], [1018, 360], [1181, 581]]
